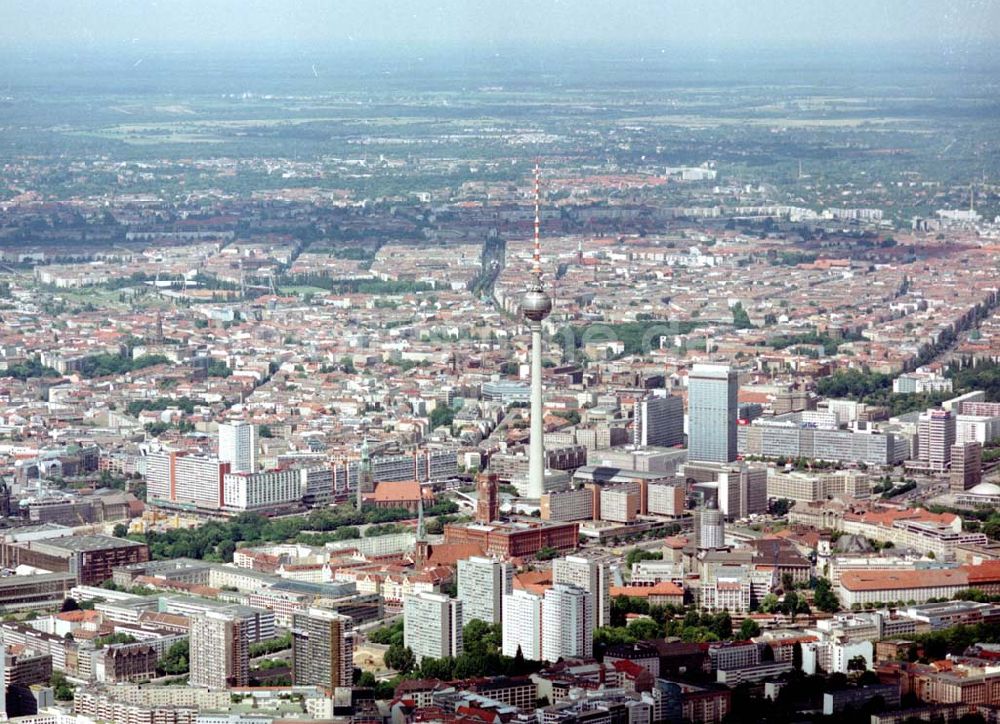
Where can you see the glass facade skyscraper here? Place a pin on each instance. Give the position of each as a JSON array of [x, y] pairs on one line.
[[712, 411]]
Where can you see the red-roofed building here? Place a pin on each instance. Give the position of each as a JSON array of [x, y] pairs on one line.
[[400, 494], [659, 594]]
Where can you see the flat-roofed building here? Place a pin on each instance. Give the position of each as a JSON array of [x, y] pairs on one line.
[[576, 504], [966, 466], [861, 587], [522, 625], [619, 504], [567, 623], [220, 649], [482, 585], [666, 499], [90, 558], [432, 625], [322, 649]]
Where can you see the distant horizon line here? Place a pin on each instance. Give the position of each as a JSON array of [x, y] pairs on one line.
[[340, 46]]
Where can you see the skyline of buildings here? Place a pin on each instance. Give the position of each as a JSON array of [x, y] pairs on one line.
[[300, 385]]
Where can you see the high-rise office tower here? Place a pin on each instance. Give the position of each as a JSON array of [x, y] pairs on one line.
[[712, 413], [935, 436], [322, 649], [238, 446], [966, 465], [658, 421], [536, 306], [432, 625], [522, 625], [593, 576], [482, 584], [567, 623], [220, 651]]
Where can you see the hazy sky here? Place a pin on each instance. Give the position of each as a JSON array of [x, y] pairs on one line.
[[420, 23]]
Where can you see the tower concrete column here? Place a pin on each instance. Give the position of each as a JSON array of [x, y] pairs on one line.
[[536, 459]]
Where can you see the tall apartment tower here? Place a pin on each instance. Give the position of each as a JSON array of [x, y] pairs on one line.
[[536, 305], [522, 625], [220, 651], [238, 446], [935, 436], [482, 585], [593, 576], [658, 421], [712, 413], [322, 649], [432, 625], [966, 465], [567, 623]]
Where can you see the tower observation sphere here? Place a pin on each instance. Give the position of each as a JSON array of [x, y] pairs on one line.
[[536, 305]]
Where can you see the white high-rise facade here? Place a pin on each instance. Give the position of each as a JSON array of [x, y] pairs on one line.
[[522, 625], [593, 576], [432, 625], [935, 436], [567, 623], [482, 585], [238, 446]]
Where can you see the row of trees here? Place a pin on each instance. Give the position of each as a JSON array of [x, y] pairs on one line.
[[103, 365], [481, 657], [353, 286], [216, 540], [29, 369]]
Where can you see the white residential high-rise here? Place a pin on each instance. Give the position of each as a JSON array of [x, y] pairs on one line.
[[238, 446], [482, 584], [593, 576], [522, 625], [432, 625], [220, 651], [567, 623], [322, 649], [658, 421]]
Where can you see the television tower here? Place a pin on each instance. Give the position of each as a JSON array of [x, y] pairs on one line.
[[536, 306]]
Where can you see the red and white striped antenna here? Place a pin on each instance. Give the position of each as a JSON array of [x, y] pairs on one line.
[[537, 257]]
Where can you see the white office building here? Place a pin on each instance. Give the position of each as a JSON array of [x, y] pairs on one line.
[[522, 625], [432, 625], [238, 446], [482, 585], [260, 491], [567, 623], [935, 436], [593, 576]]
